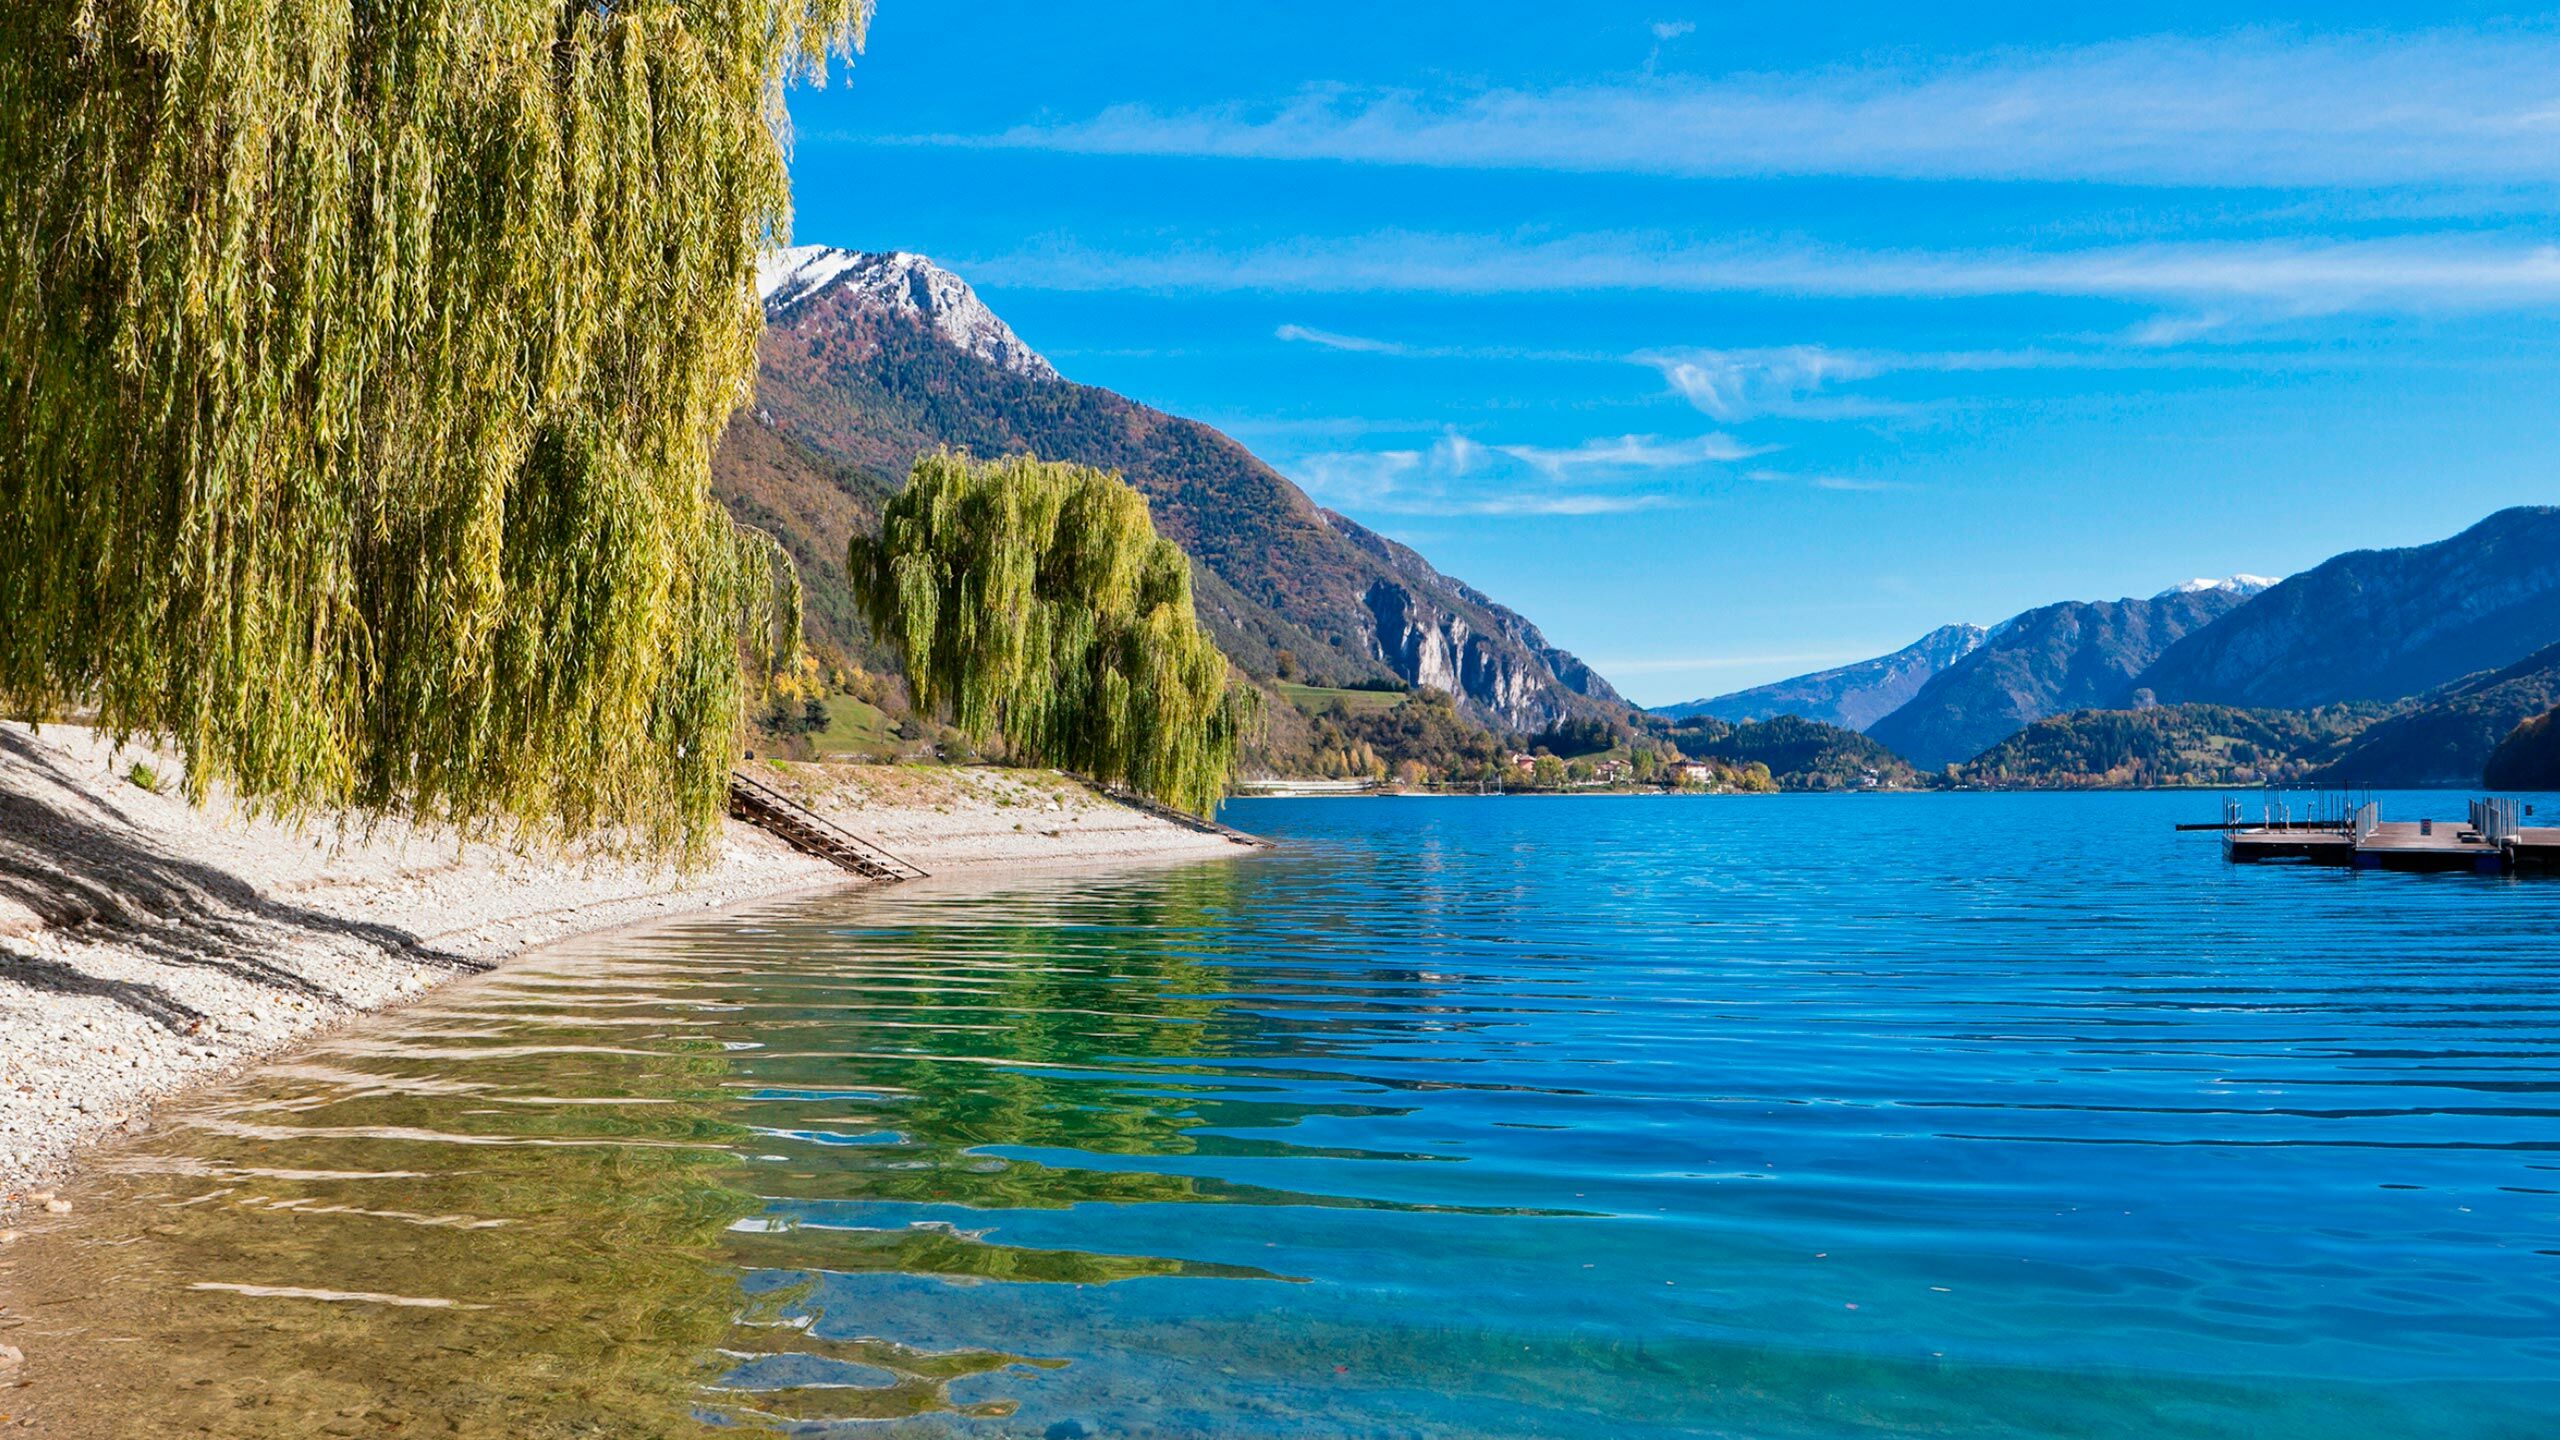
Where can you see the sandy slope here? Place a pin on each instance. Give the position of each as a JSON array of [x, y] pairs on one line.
[[146, 945]]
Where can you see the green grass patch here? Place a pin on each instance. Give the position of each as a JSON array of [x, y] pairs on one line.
[[855, 727], [1316, 699]]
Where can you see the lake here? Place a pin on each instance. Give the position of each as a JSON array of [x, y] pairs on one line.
[[1947, 1115]]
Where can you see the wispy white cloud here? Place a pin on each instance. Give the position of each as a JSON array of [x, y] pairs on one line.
[[1740, 384], [1631, 452], [2164, 330], [1856, 484], [2422, 273], [1370, 345], [2249, 108], [1668, 30], [1460, 475], [1331, 341]]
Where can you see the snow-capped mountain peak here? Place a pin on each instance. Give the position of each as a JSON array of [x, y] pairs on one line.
[[2243, 586], [900, 283]]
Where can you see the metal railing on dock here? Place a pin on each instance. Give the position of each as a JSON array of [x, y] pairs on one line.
[[2496, 821], [811, 833], [2495, 841]]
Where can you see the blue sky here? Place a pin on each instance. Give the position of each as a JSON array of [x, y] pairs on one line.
[[1729, 341]]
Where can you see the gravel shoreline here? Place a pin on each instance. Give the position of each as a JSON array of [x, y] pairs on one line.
[[148, 947]]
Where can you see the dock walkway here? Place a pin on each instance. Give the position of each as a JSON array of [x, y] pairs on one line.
[[2491, 842]]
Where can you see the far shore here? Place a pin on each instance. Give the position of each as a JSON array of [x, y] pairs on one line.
[[148, 947]]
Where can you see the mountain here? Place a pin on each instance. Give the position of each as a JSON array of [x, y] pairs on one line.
[[901, 289], [1852, 697], [2078, 655], [869, 360], [2530, 758], [2171, 745], [2381, 624], [2447, 737]]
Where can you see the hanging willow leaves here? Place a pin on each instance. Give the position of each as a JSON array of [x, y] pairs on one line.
[[360, 363], [1035, 601]]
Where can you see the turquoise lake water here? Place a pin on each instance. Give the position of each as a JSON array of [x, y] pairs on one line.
[[1960, 1115]]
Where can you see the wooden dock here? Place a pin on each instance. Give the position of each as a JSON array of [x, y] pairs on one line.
[[2537, 849], [2490, 842]]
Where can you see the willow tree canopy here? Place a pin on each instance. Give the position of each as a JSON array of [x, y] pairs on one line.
[[1035, 601], [360, 363]]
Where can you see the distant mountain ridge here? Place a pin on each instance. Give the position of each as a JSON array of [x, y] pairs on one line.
[[1852, 697], [1857, 697], [2434, 635], [870, 360], [2381, 624], [2078, 655]]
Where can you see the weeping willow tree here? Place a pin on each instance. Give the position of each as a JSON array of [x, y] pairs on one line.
[[360, 364], [1034, 601]]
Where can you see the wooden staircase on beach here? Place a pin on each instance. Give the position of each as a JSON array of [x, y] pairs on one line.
[[810, 833]]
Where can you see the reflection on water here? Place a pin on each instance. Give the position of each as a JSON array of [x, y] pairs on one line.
[[1452, 1119]]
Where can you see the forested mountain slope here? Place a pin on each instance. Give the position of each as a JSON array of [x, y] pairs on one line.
[[870, 360], [2530, 758], [2171, 745], [2447, 737]]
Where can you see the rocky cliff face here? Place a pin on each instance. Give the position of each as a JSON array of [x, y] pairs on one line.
[[1435, 649], [871, 360], [1476, 649]]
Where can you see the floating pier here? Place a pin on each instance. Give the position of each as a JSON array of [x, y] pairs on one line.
[[2492, 841]]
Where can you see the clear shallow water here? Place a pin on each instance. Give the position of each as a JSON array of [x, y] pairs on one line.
[[1934, 1115]]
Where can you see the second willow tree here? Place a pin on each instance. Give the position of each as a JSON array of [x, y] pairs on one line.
[[1034, 601]]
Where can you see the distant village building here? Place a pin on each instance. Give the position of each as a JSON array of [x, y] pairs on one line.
[[1692, 773], [1523, 763], [1610, 772]]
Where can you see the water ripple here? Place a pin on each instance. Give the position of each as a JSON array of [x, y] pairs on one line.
[[1958, 1115]]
